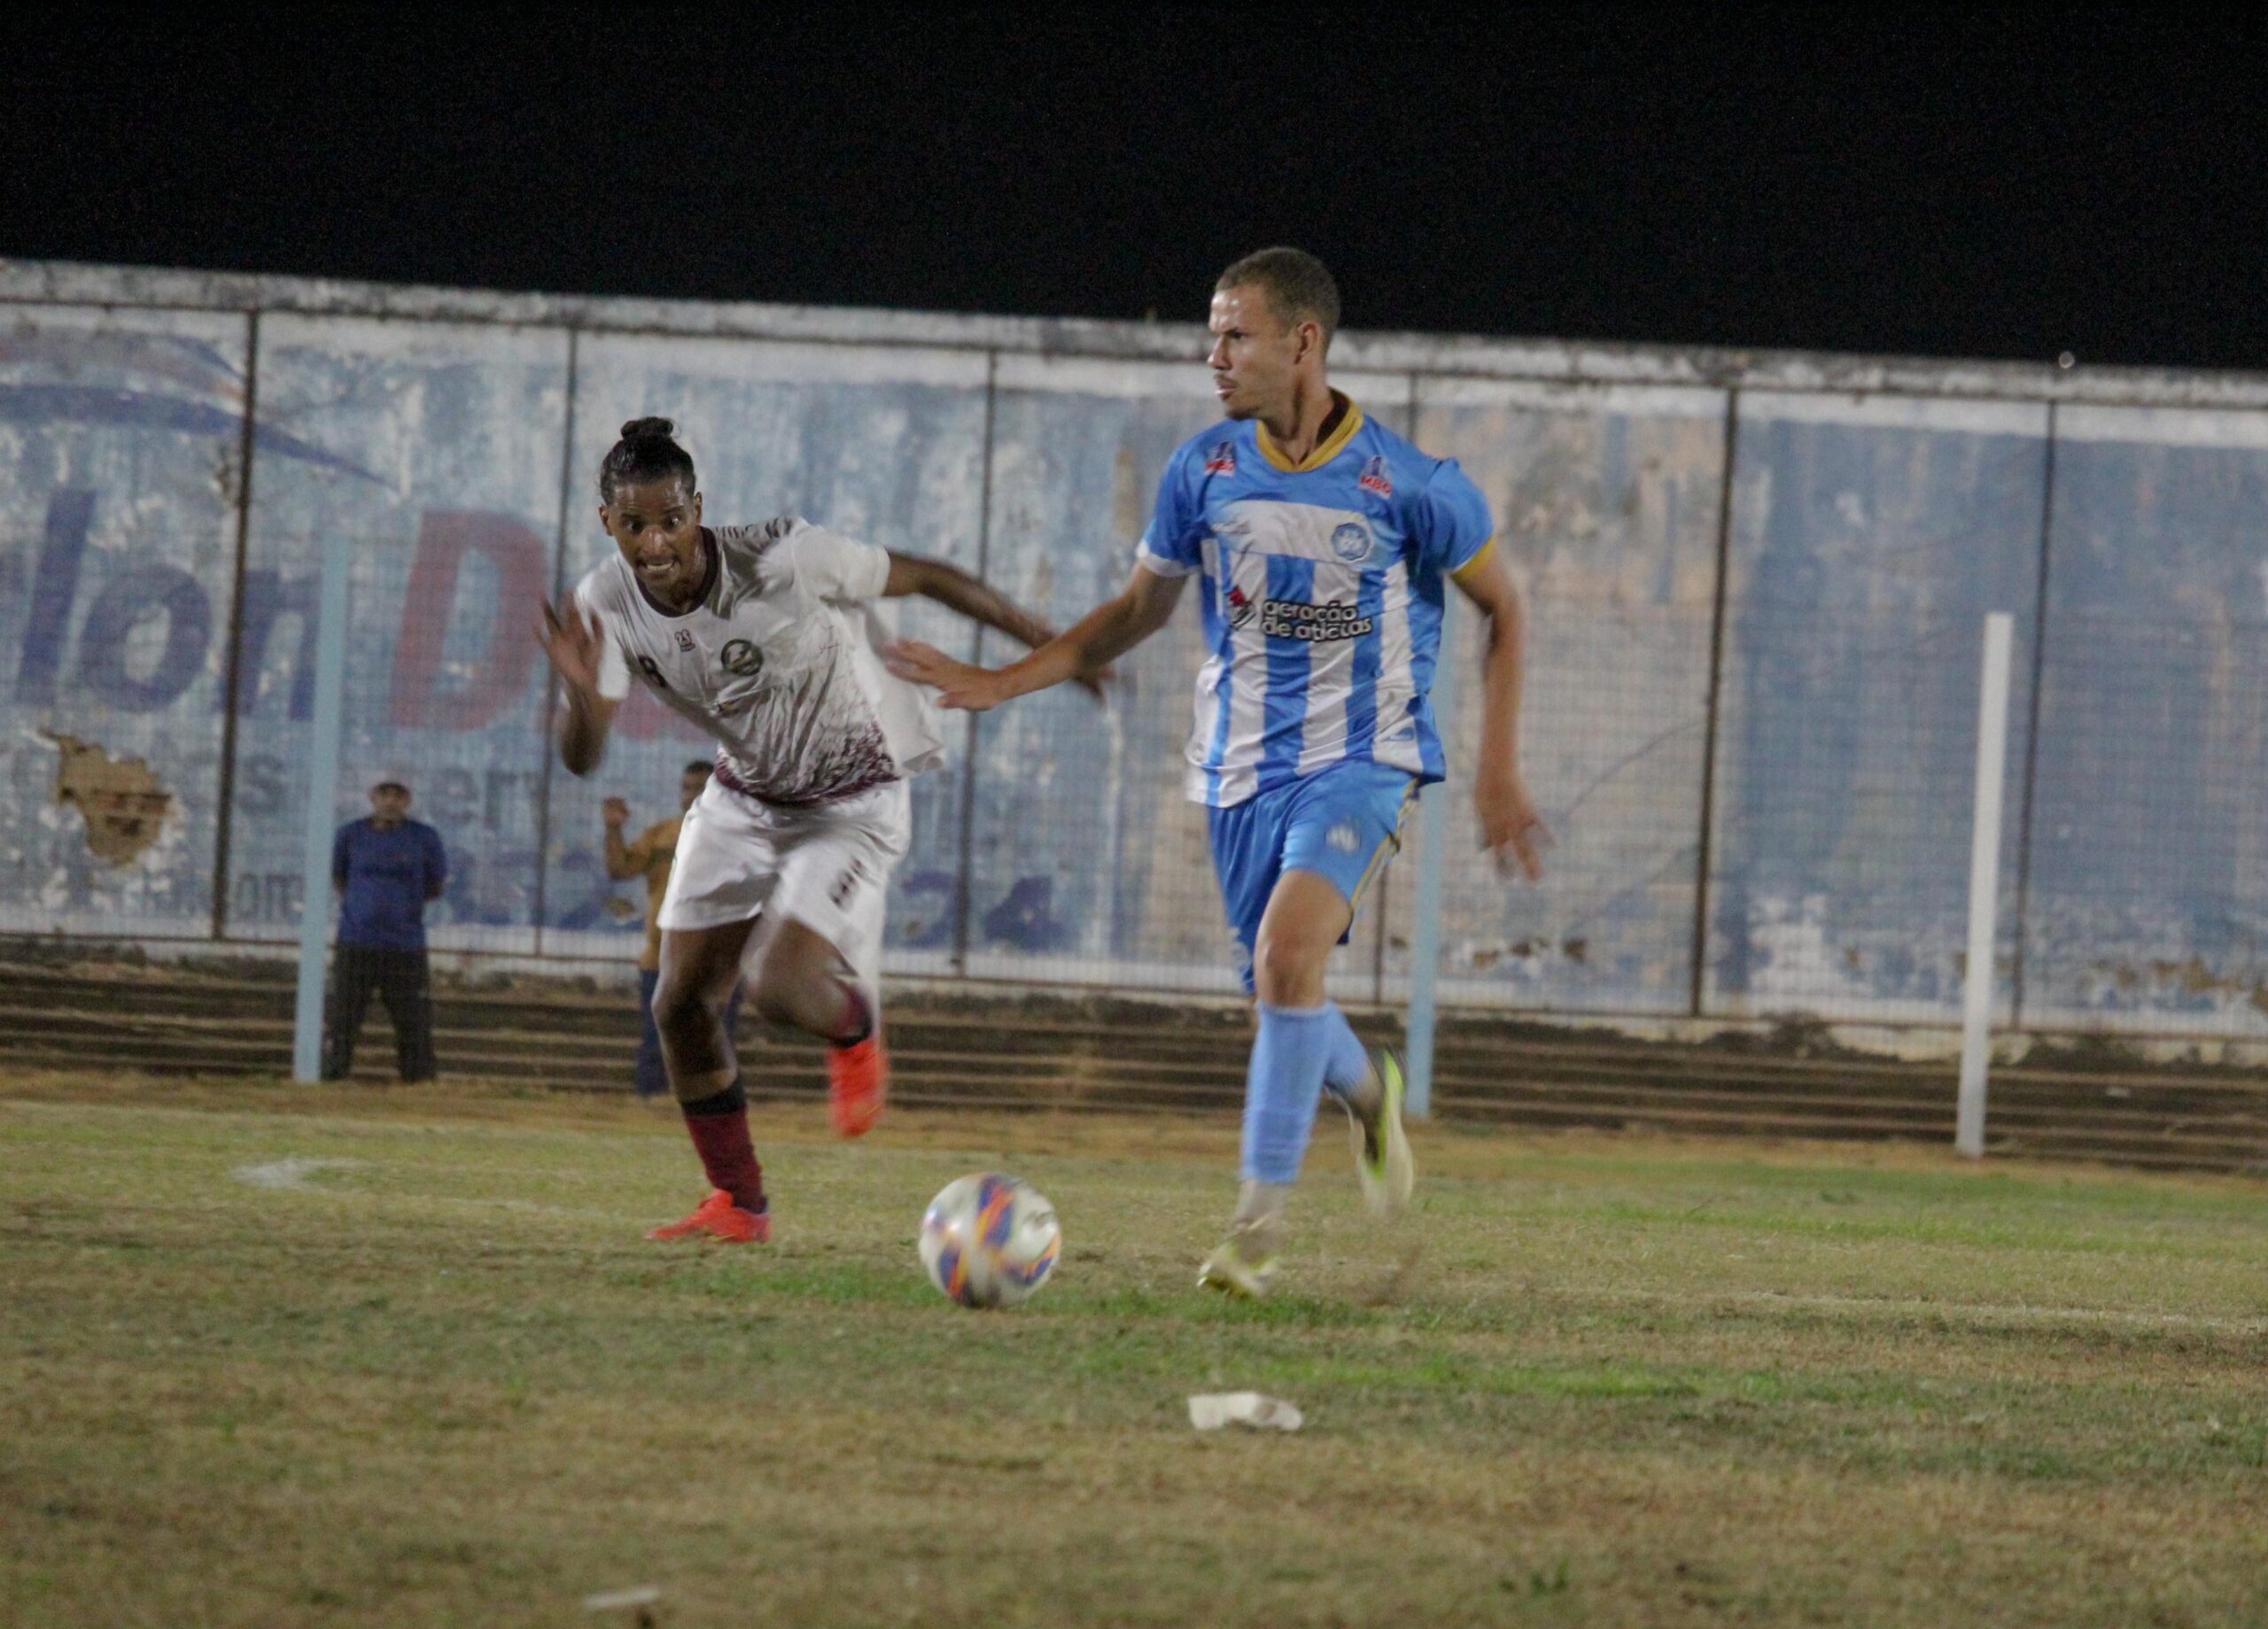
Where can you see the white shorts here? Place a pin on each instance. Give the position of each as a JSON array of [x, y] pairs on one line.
[[827, 867]]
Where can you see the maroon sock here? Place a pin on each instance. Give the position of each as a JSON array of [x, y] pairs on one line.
[[718, 1125], [858, 1020]]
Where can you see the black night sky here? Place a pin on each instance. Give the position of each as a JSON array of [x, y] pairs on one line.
[[1990, 184]]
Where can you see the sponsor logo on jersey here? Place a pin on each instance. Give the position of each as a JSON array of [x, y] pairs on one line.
[[1375, 479], [1240, 607], [1221, 458], [1317, 625], [740, 657], [1351, 542]]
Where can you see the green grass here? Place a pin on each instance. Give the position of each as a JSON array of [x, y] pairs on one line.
[[1594, 1381]]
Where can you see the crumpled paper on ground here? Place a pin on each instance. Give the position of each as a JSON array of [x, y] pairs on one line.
[[1214, 1409]]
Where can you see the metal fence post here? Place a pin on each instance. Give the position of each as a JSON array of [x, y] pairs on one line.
[[1705, 840], [322, 799], [224, 814], [1425, 937], [1983, 883]]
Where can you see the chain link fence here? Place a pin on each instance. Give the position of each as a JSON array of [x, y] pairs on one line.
[[1754, 616]]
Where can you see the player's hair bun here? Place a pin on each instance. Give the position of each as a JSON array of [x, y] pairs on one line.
[[647, 452]]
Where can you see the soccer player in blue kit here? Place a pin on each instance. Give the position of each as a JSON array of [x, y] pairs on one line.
[[1324, 542]]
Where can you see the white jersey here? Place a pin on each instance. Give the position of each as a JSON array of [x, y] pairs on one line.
[[779, 660]]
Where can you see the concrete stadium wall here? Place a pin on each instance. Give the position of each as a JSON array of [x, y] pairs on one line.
[[1756, 584]]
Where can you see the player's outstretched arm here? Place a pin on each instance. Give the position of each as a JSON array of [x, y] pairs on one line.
[[576, 645], [973, 597], [1083, 653], [1510, 828]]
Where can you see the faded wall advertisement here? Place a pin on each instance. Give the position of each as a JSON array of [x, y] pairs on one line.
[[1753, 632]]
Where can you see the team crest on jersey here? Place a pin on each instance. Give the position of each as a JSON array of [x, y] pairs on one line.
[[1221, 458], [1240, 607], [740, 657], [1375, 479], [1351, 542], [684, 640]]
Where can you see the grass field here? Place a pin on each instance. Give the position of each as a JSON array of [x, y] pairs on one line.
[[440, 1379]]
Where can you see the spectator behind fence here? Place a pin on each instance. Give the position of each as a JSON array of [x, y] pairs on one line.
[[385, 868], [650, 855]]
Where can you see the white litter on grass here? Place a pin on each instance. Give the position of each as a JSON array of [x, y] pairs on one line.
[[292, 1173], [622, 1600], [1210, 1411]]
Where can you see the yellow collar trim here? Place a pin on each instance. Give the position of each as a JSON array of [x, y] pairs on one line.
[[1323, 453]]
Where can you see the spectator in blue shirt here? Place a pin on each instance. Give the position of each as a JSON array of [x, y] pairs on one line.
[[385, 868]]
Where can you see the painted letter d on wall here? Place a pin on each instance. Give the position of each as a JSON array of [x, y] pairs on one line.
[[473, 701]]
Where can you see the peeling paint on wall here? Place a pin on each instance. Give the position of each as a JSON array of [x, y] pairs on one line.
[[121, 800]]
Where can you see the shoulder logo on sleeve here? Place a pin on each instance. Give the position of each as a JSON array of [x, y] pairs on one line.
[[741, 657], [1345, 838], [1351, 542], [1221, 458], [1375, 479]]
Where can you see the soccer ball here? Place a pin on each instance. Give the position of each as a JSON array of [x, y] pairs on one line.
[[990, 1240]]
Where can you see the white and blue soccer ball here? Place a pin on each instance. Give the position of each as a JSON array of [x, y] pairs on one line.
[[990, 1240]]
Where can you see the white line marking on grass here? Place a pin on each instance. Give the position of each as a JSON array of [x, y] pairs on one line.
[[292, 1173]]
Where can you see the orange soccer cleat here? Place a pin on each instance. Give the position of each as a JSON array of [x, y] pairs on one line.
[[719, 1218], [857, 1082]]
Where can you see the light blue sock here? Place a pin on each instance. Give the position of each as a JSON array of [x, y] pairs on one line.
[[1283, 1089], [1346, 1062]]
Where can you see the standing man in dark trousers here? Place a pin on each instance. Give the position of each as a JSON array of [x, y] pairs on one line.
[[650, 855], [385, 868]]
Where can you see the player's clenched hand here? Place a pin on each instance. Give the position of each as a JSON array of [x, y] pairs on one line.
[[1510, 828], [958, 685], [571, 641]]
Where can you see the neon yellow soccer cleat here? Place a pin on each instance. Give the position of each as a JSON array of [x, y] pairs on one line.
[[1382, 1160]]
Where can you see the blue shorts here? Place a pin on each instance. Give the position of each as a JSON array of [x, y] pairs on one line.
[[1342, 823]]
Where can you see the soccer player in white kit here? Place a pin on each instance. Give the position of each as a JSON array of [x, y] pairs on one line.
[[764, 637]]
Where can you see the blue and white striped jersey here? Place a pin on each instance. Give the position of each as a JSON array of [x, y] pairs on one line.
[[1322, 588]]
